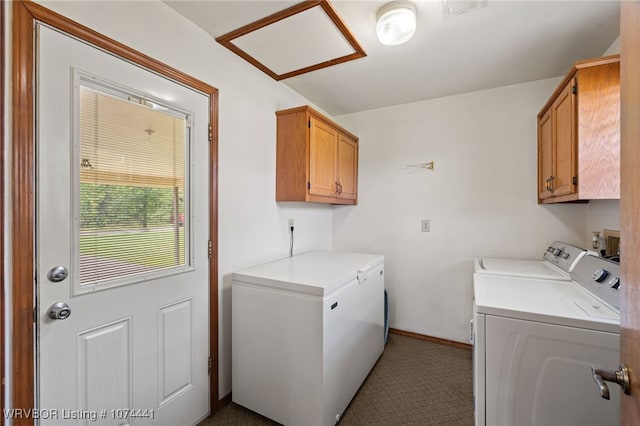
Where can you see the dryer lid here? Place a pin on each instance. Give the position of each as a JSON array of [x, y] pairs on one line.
[[521, 268]]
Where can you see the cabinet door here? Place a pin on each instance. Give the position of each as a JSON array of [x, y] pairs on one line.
[[545, 155], [564, 125], [347, 175], [322, 159]]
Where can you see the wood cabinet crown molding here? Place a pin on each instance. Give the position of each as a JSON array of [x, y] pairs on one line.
[[316, 113], [585, 63], [316, 159], [579, 135]]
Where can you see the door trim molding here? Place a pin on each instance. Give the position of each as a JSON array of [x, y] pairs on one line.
[[2, 101], [25, 14]]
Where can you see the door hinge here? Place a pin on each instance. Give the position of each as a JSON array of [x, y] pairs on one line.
[[308, 185], [210, 133], [35, 314], [574, 89], [210, 250], [189, 120], [574, 180], [309, 123], [210, 365]]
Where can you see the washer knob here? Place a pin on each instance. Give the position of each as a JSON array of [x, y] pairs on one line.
[[600, 275], [615, 283]]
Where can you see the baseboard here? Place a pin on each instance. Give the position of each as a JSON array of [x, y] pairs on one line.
[[227, 399], [431, 339]]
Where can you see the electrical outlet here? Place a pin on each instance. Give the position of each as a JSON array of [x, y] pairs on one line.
[[425, 225], [291, 223]]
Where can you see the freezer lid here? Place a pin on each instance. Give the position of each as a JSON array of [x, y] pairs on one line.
[[316, 273]]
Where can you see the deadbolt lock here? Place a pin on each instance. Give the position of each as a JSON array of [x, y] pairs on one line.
[[57, 274]]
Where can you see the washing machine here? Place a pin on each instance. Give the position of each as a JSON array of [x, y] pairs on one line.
[[535, 341], [557, 262]]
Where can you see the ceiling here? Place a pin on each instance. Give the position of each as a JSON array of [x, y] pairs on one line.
[[506, 42]]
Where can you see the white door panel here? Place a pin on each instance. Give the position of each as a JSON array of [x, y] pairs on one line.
[[139, 346], [175, 368], [103, 367]]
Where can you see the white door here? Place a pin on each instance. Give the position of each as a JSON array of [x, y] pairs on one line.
[[122, 205]]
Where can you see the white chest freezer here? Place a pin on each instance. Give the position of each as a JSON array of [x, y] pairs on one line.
[[306, 331]]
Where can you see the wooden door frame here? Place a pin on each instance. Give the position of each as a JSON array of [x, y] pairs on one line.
[[25, 14], [630, 207]]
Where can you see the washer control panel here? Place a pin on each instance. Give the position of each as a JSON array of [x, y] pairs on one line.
[[599, 276], [563, 255]]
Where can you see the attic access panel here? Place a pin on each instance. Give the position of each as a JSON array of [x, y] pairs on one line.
[[305, 37]]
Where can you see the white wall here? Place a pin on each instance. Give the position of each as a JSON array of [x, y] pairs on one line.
[[602, 214], [614, 48], [481, 199], [252, 227]]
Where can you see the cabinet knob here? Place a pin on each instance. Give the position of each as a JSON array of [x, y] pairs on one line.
[[550, 183]]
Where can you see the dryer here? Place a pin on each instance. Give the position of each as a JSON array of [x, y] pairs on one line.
[[535, 342], [557, 262]]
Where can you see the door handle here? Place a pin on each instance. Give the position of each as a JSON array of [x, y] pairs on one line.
[[620, 376], [59, 311]]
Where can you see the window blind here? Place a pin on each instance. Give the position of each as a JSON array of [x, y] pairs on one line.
[[131, 187]]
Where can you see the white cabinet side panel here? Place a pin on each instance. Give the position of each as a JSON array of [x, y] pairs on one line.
[[479, 348]]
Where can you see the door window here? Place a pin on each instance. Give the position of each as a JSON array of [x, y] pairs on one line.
[[132, 202]]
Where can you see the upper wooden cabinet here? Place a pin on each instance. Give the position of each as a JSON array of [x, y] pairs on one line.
[[579, 135], [316, 160]]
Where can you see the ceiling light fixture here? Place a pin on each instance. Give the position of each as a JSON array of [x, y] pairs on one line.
[[396, 22]]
